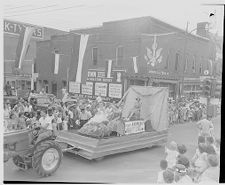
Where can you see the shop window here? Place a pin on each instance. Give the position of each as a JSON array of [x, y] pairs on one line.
[[167, 61], [95, 56], [23, 85], [119, 55], [64, 83], [200, 69], [177, 61]]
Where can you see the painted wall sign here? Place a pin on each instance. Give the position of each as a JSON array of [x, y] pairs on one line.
[[115, 90], [13, 27], [74, 87]]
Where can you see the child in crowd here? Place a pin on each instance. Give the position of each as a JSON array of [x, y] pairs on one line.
[[181, 159], [59, 121], [209, 140], [211, 174], [199, 161], [163, 166], [21, 121], [65, 122], [172, 154], [181, 149], [181, 174], [168, 176], [217, 147], [210, 149], [13, 122]]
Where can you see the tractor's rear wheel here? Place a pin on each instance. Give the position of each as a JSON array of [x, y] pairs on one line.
[[47, 158]]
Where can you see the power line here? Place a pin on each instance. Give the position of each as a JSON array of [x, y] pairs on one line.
[[28, 10], [47, 11], [16, 7]]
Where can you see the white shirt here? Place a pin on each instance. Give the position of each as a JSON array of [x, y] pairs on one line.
[[49, 119], [210, 175], [160, 177], [171, 157], [205, 126], [70, 114], [185, 179]]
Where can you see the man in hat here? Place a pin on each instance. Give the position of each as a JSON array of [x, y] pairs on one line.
[[84, 115]]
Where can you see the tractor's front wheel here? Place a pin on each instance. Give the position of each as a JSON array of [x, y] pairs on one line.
[[47, 158]]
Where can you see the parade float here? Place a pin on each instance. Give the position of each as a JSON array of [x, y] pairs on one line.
[[142, 122]]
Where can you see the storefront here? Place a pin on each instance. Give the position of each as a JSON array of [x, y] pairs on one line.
[[156, 81], [20, 84], [192, 86]]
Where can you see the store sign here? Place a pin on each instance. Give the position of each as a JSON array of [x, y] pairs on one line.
[[132, 127], [101, 89], [115, 90], [16, 28], [87, 88], [74, 87]]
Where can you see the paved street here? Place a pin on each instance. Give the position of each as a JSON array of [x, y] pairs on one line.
[[134, 167]]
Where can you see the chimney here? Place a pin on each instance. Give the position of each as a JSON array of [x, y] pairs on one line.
[[203, 29]]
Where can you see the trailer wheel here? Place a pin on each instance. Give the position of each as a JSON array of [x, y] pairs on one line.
[[47, 158]]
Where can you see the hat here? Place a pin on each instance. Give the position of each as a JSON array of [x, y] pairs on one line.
[[168, 176], [182, 149], [213, 160], [172, 145], [183, 161], [180, 168]]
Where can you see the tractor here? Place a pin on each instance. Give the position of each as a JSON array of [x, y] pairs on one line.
[[28, 150]]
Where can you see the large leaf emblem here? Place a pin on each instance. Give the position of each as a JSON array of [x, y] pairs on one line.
[[153, 55]]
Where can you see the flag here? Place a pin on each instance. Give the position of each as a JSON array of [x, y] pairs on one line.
[[23, 45], [135, 64], [56, 66], [109, 68], [83, 46]]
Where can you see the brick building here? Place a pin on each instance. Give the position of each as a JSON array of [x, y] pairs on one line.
[[165, 55], [21, 80]]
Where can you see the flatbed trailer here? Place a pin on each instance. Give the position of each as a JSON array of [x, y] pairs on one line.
[[93, 148]]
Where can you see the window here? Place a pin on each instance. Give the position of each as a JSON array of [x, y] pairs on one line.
[[64, 83], [177, 61], [95, 56], [119, 55], [186, 64], [200, 69], [194, 64], [35, 67], [167, 61]]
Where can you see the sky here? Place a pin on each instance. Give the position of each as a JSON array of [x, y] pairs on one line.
[[72, 14]]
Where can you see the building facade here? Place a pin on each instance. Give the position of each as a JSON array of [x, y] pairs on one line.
[[21, 80], [149, 51]]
